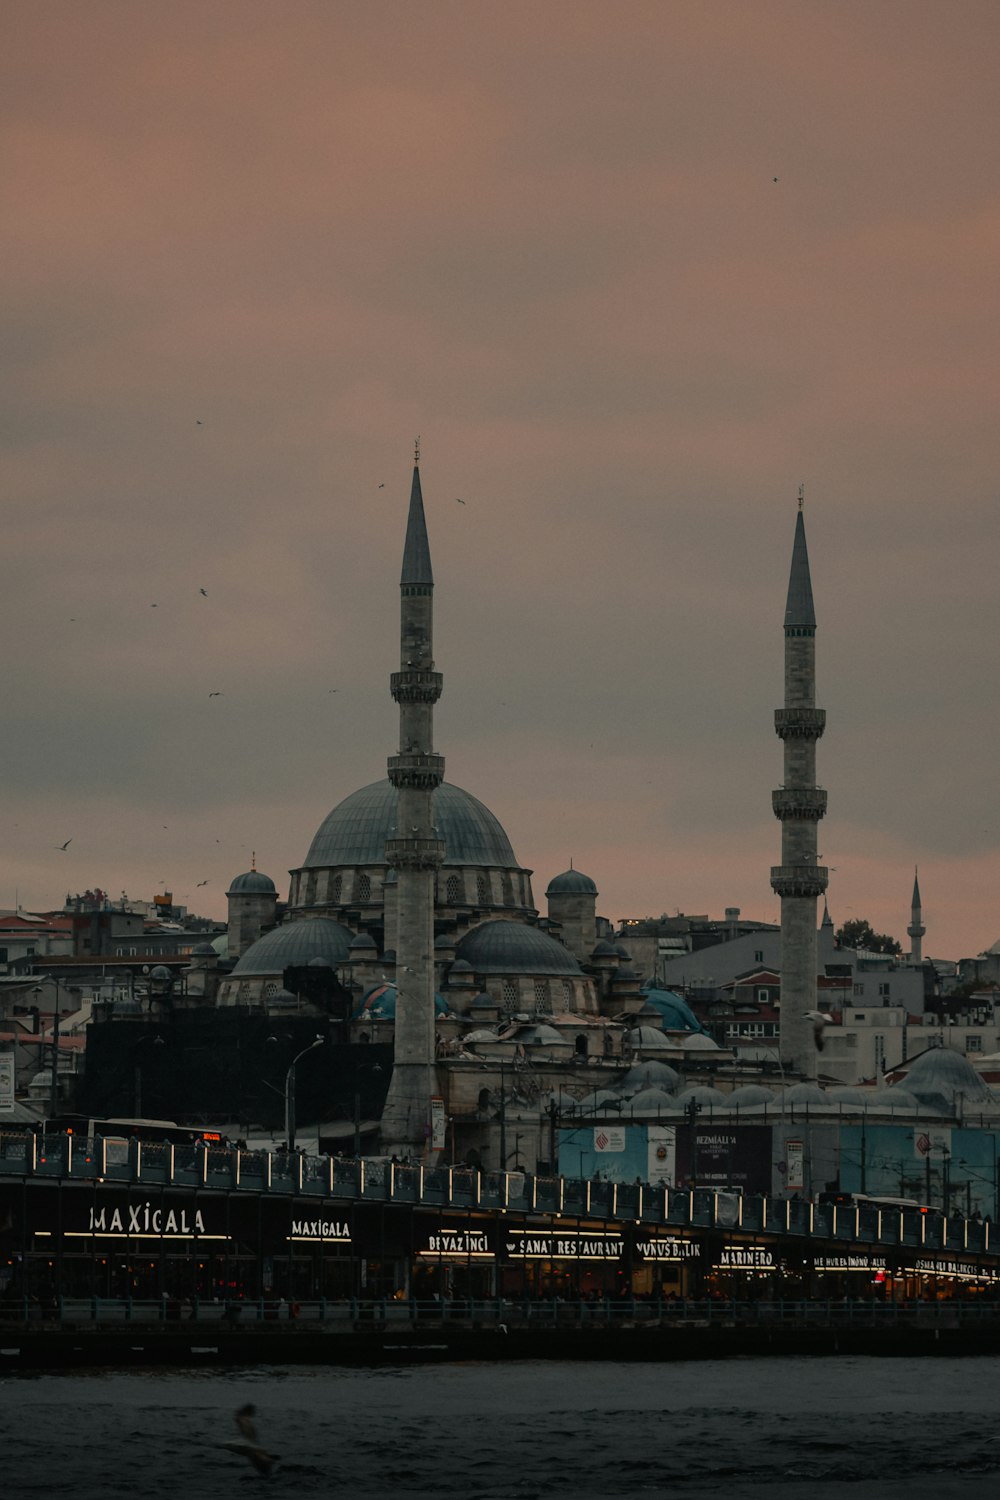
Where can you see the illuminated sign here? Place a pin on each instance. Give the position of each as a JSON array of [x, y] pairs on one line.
[[668, 1249], [847, 1263], [460, 1244], [526, 1245], [146, 1220], [746, 1258], [945, 1265], [321, 1229]]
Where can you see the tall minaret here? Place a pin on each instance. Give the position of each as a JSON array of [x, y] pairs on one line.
[[916, 929], [416, 851], [799, 804]]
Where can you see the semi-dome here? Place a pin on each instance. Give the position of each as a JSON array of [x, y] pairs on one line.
[[501, 947], [676, 1013], [379, 1004], [355, 832], [296, 943], [571, 883], [252, 882]]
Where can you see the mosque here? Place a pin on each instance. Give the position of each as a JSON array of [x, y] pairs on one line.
[[505, 1023]]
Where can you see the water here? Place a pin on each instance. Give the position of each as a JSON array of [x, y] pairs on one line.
[[754, 1429]]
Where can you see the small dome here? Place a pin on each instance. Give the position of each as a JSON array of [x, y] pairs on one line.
[[895, 1099], [501, 947], [363, 940], [806, 1093], [622, 951], [203, 950], [571, 883], [283, 998], [389, 956], [446, 940], [701, 1093], [649, 1039], [603, 950], [751, 1093], [296, 943], [482, 1001], [253, 882], [652, 1074], [541, 1035], [698, 1041], [159, 972], [650, 1101], [939, 1074]]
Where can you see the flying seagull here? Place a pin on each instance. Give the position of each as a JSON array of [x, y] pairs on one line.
[[819, 1020], [459, 502], [216, 695], [250, 1448], [204, 592], [203, 882], [381, 486], [63, 847]]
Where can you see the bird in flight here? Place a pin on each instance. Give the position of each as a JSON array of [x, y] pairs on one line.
[[381, 486], [250, 1447], [334, 690], [216, 695], [459, 502], [204, 593], [154, 606], [203, 882], [774, 179], [198, 422], [63, 847]]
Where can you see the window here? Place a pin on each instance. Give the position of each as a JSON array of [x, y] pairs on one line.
[[336, 888], [364, 888], [509, 995], [453, 890], [758, 957], [763, 997], [508, 888], [482, 890], [883, 990], [859, 989], [542, 995], [973, 1044]]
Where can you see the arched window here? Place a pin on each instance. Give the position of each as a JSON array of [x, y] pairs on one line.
[[453, 890], [364, 888], [482, 890], [542, 1001], [336, 888], [509, 995], [581, 1046]]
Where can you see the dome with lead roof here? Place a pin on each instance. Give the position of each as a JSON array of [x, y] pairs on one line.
[[355, 832]]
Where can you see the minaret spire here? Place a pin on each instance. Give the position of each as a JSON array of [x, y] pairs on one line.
[[916, 929], [416, 851], [799, 804]]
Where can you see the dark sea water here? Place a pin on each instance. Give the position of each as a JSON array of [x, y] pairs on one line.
[[785, 1429]]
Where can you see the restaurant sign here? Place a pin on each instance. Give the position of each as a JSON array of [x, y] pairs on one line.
[[323, 1230], [746, 1258], [849, 1262], [947, 1265], [126, 1220], [668, 1248], [526, 1244]]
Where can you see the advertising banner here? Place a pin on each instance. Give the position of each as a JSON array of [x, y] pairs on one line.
[[439, 1125], [794, 1166], [736, 1156], [661, 1155], [6, 1082]]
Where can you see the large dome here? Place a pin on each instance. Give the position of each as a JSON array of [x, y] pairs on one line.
[[354, 833], [514, 948], [296, 943]]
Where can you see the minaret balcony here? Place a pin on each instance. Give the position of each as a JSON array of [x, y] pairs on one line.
[[799, 723], [416, 685], [414, 853], [799, 880], [806, 804], [418, 772]]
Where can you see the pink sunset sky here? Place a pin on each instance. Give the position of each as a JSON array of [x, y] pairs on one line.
[[252, 249]]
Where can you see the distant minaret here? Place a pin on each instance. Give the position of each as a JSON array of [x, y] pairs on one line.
[[916, 928], [416, 851], [799, 805]]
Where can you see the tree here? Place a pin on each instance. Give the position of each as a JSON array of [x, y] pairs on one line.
[[859, 933]]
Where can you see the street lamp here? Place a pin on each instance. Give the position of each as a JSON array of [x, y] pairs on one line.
[[290, 1090]]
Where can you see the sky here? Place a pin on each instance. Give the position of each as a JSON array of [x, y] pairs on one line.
[[634, 272]]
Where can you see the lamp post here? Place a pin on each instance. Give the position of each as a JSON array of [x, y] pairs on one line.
[[290, 1090]]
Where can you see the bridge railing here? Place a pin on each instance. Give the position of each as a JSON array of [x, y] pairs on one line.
[[193, 1164], [500, 1314]]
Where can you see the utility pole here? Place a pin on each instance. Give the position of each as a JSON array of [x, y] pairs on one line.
[[54, 1089]]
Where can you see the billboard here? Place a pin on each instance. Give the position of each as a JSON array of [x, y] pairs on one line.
[[6, 1082], [737, 1156]]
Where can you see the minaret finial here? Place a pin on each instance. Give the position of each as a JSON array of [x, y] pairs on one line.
[[416, 449], [253, 859], [802, 495]]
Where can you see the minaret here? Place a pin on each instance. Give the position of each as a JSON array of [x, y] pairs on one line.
[[799, 804], [416, 851], [916, 929]]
